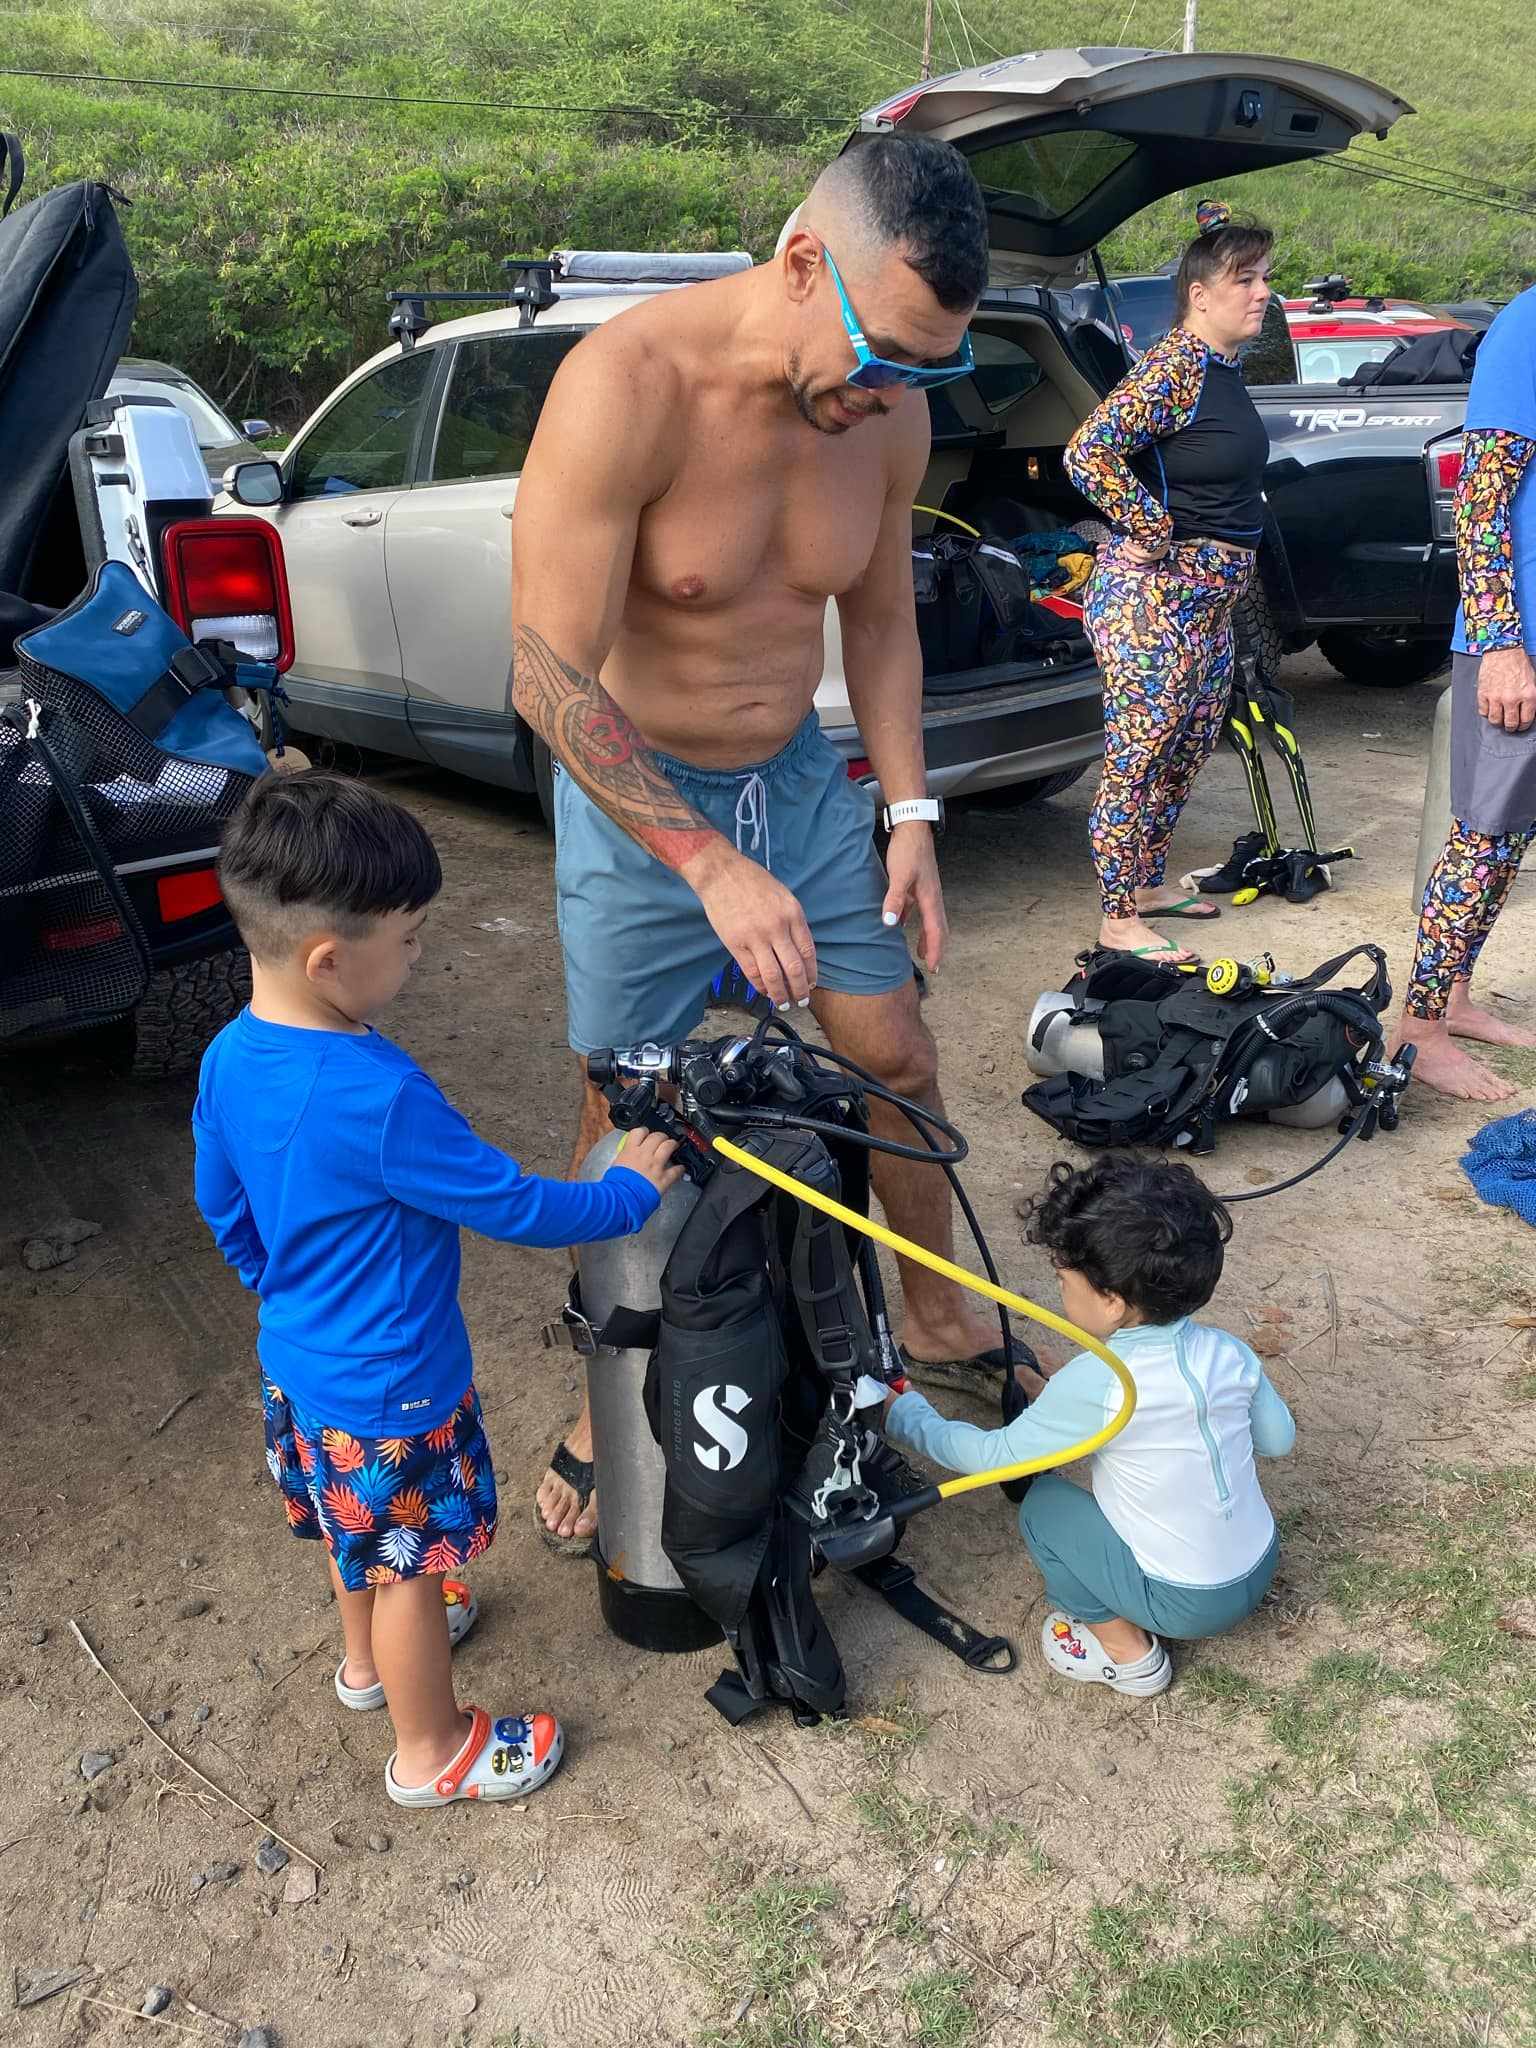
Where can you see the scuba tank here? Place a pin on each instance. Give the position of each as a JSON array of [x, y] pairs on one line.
[[1135, 1053], [1064, 1037], [642, 1598], [727, 1343]]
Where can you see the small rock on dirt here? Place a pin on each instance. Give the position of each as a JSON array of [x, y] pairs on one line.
[[1107, 1767], [156, 1999], [56, 1243], [94, 1762], [303, 1885], [198, 1879], [159, 1717], [257, 2037], [379, 1844], [202, 1713], [189, 1610], [223, 1873], [271, 1858], [464, 2004], [38, 1637]]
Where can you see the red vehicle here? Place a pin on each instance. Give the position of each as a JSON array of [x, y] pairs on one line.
[[1336, 335]]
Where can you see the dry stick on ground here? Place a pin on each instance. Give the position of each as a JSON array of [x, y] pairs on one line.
[[787, 1783], [217, 1790], [149, 2018], [174, 1410], [302, 1658]]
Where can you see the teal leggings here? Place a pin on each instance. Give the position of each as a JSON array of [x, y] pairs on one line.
[[1093, 1575]]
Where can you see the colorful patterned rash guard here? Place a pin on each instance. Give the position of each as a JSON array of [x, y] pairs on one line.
[[1493, 462], [1177, 450]]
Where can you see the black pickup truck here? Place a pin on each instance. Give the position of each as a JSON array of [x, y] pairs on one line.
[[1359, 553]]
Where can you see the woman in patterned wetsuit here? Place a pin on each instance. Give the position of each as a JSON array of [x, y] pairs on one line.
[[1493, 713], [1174, 459]]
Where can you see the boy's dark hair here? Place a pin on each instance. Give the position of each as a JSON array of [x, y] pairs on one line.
[[922, 197], [1149, 1232], [1219, 251], [315, 849]]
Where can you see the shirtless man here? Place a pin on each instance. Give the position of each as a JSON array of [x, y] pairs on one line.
[[708, 470], [1493, 716]]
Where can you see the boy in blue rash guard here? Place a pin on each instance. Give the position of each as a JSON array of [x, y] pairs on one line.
[[335, 1177], [1175, 1538]]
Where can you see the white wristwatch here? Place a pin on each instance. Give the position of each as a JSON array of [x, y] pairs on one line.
[[916, 810]]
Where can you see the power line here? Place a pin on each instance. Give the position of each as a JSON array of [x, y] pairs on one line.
[[387, 99], [1474, 185], [1424, 185]]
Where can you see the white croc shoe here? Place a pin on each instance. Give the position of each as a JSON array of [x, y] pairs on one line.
[[1073, 1651], [463, 1613], [502, 1759]]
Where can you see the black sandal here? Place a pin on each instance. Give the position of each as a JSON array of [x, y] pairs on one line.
[[580, 1475], [978, 1375]]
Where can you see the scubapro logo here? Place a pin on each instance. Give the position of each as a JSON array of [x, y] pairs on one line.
[[713, 1408]]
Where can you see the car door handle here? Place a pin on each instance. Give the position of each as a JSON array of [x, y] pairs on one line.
[[370, 517], [508, 510]]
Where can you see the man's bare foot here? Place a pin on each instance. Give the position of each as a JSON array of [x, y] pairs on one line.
[[1442, 1065], [1197, 909], [559, 1503], [1134, 935], [1126, 1643], [1465, 1020]]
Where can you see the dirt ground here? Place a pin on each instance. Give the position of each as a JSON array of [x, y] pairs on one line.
[[603, 1913]]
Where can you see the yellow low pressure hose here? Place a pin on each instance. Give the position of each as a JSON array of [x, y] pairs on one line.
[[936, 512], [969, 1481]]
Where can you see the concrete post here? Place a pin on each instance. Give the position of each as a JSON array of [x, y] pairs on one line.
[[1436, 822]]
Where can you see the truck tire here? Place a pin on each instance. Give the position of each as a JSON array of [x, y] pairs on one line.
[[544, 781], [1042, 786], [182, 1009], [1383, 660], [1257, 632]]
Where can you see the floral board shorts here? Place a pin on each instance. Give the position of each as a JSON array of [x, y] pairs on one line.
[[387, 1508]]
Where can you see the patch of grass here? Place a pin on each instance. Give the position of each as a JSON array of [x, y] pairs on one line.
[[941, 2006], [1522, 1385], [774, 1932], [1218, 1685], [1120, 1935], [766, 1940], [912, 1826], [1285, 1976]]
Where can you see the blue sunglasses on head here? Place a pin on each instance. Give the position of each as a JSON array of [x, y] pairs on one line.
[[878, 373]]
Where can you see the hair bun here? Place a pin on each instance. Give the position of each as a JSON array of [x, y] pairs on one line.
[[1212, 215]]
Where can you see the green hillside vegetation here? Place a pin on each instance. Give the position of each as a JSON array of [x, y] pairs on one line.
[[267, 225]]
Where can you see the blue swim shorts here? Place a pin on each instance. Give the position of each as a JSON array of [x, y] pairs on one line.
[[639, 952], [388, 1507]]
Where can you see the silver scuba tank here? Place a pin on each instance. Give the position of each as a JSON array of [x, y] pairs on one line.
[[641, 1596], [1063, 1038]]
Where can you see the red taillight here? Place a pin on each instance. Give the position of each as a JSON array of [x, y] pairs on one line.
[[893, 110], [185, 895], [857, 770], [1448, 468], [225, 580], [75, 938]]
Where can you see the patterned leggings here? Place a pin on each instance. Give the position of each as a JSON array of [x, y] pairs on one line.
[[1162, 637], [1462, 899]]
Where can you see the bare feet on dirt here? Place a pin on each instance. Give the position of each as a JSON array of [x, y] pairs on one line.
[[1464, 1019], [1443, 1065], [1134, 935]]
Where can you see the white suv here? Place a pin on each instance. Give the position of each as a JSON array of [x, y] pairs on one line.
[[397, 497]]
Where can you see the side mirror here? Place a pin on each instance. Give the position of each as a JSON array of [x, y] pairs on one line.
[[256, 430], [254, 483]]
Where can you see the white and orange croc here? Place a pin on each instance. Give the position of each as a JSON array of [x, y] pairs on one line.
[[502, 1759], [463, 1612]]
